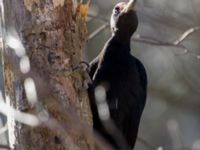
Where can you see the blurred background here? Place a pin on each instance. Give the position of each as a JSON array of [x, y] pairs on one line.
[[172, 115]]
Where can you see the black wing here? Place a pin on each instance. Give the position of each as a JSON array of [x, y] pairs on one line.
[[137, 94], [127, 98]]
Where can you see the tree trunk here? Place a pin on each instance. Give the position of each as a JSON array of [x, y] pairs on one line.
[[53, 33]]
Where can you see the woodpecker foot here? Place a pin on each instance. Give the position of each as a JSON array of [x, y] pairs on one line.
[[83, 67]]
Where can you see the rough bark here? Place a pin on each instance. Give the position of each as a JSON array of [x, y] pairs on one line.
[[53, 33]]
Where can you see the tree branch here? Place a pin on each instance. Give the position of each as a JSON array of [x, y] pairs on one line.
[[149, 40], [146, 144], [98, 30], [4, 147], [186, 34]]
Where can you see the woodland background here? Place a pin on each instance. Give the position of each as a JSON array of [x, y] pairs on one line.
[[171, 117], [167, 42]]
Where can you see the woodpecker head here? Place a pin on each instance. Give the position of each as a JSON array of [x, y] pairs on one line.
[[124, 20]]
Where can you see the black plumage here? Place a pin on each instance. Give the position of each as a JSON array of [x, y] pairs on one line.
[[122, 75]]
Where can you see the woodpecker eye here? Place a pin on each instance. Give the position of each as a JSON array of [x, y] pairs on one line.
[[117, 10]]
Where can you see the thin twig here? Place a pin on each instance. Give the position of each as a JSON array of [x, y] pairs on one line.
[[98, 17], [147, 144], [5, 146], [186, 34], [150, 41], [98, 30]]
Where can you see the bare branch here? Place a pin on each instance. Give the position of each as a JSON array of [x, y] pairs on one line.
[[186, 34], [98, 17], [150, 41], [4, 147], [98, 30], [147, 144]]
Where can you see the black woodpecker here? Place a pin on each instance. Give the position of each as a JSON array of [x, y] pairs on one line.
[[122, 76]]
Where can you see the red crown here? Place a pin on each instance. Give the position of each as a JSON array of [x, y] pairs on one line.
[[120, 5]]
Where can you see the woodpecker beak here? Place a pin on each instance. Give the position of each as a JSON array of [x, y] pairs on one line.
[[130, 6]]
